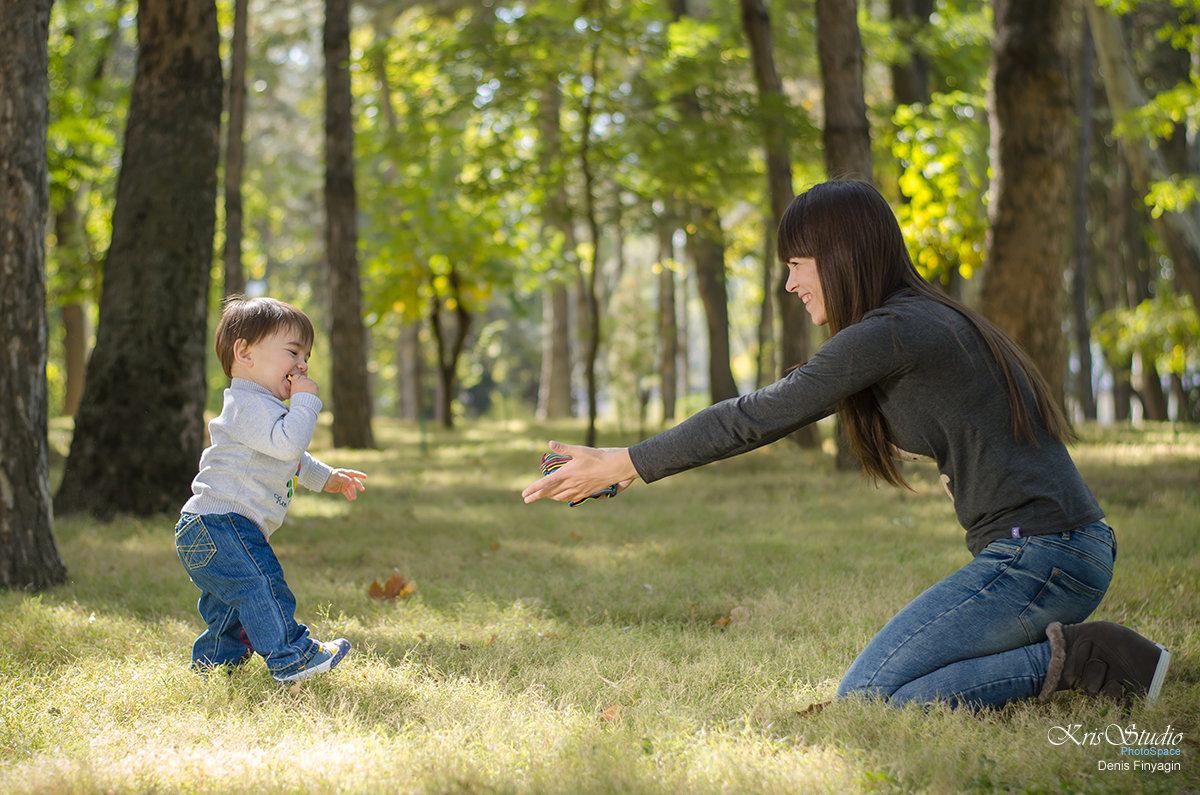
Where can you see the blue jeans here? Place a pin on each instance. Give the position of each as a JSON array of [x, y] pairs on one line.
[[978, 637], [243, 595]]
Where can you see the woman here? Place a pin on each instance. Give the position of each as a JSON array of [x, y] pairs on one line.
[[913, 373]]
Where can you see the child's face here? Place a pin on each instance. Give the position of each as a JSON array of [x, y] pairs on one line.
[[272, 361]]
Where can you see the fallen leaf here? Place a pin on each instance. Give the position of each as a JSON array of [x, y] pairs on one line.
[[612, 714], [493, 640], [495, 546], [813, 709], [722, 621], [395, 588]]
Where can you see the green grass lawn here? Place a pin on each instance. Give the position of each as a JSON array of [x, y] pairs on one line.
[[666, 641]]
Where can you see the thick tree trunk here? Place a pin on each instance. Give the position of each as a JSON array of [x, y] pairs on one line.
[[235, 148], [351, 390], [795, 344], [847, 133], [1179, 231], [1030, 111], [140, 427], [29, 556]]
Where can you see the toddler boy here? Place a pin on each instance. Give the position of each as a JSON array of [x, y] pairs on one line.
[[247, 478]]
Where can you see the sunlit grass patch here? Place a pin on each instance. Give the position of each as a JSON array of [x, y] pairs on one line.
[[669, 640]]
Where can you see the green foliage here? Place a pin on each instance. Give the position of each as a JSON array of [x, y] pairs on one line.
[[1165, 329], [942, 148]]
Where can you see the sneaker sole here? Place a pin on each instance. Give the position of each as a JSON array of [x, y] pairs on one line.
[[328, 665], [1160, 673]]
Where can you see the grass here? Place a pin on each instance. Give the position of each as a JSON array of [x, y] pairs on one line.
[[666, 641]]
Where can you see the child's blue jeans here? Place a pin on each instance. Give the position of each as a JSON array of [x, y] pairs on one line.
[[978, 637], [242, 590]]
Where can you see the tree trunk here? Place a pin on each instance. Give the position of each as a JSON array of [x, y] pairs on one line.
[[29, 556], [590, 298], [1030, 111], [796, 336], [668, 322], [847, 133], [411, 373], [554, 391], [706, 246], [1179, 231], [449, 350], [140, 427], [910, 73], [1082, 243], [350, 389], [554, 388], [235, 148], [71, 252], [706, 250]]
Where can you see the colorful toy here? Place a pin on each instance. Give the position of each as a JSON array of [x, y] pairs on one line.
[[552, 461]]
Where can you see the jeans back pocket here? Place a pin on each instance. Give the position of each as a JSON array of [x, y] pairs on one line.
[[193, 543]]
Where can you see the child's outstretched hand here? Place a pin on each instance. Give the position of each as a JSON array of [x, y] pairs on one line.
[[347, 481]]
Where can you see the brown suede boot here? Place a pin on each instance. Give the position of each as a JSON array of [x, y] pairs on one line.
[[1103, 658]]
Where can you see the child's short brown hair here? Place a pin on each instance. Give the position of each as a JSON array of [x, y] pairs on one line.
[[251, 319]]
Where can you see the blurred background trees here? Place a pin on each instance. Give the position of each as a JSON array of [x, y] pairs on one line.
[[567, 208]]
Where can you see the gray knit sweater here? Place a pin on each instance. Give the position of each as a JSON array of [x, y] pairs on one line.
[[258, 456], [943, 397]]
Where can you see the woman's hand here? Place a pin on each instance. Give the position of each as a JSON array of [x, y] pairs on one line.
[[590, 470]]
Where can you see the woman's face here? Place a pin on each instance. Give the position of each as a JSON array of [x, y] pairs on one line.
[[806, 284]]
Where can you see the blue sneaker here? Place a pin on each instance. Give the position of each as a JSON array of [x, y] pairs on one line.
[[328, 655]]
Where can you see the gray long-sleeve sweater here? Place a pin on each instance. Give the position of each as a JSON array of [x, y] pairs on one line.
[[258, 455], [943, 397]]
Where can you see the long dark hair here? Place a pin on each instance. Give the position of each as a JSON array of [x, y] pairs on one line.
[[852, 233]]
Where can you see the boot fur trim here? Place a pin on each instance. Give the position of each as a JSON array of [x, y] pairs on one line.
[[1058, 659]]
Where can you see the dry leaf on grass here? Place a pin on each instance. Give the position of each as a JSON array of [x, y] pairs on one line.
[[395, 588], [613, 713]]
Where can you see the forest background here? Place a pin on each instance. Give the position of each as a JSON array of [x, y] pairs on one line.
[[566, 209]]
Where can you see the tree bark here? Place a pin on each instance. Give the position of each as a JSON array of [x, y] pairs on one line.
[[29, 556], [1179, 231], [235, 149], [140, 427], [1082, 243], [847, 133], [1030, 111], [706, 250], [910, 74], [668, 320], [554, 388], [706, 247], [795, 343], [351, 389]]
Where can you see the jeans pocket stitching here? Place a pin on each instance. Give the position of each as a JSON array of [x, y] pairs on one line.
[[1064, 580], [196, 548]]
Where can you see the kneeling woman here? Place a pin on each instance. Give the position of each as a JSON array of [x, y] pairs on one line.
[[913, 373]]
